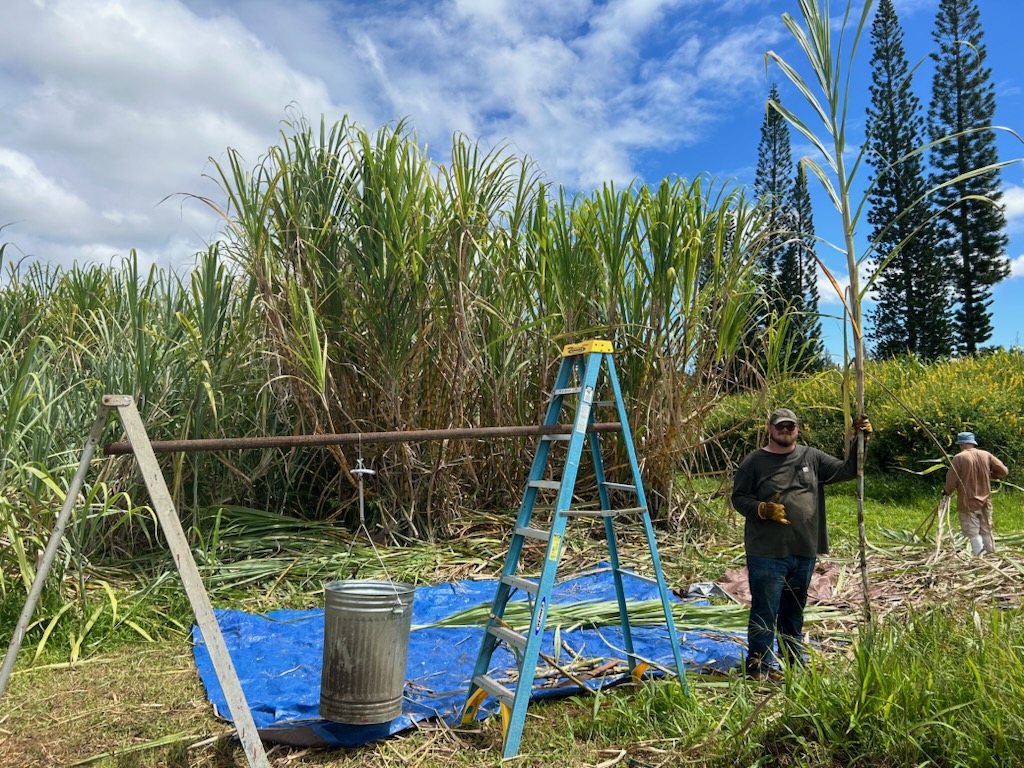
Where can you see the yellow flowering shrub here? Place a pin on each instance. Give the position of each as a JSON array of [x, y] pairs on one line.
[[916, 409]]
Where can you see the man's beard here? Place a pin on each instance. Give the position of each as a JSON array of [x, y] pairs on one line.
[[785, 440]]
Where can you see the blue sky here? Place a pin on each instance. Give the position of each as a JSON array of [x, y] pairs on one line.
[[111, 107]]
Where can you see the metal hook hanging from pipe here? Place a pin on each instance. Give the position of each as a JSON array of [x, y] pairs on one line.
[[360, 470]]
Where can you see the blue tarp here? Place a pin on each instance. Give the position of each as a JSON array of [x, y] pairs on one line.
[[278, 657]]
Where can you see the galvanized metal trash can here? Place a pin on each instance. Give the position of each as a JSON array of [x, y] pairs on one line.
[[366, 645]]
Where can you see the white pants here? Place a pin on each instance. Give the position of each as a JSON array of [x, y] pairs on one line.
[[977, 527]]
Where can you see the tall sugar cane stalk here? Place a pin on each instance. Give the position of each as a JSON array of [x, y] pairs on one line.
[[816, 41], [831, 69], [858, 365]]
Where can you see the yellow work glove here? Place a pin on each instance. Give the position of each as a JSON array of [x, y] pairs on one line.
[[863, 424], [772, 510]]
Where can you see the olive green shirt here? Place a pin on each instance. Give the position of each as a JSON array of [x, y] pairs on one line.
[[799, 477]]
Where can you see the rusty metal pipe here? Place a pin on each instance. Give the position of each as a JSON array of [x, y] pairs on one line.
[[351, 438]]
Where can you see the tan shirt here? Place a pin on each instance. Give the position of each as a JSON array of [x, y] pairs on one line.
[[970, 474]]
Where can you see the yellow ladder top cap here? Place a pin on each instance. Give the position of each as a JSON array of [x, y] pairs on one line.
[[583, 347]]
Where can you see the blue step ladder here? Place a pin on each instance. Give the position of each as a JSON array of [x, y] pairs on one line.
[[578, 379]]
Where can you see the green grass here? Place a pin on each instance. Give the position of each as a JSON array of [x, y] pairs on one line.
[[904, 503], [936, 687], [942, 685]]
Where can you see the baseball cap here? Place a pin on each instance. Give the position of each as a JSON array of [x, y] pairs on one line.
[[780, 415], [966, 438]]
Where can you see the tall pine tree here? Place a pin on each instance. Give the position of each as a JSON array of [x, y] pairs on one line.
[[773, 184], [798, 271], [971, 232], [912, 289], [788, 263]]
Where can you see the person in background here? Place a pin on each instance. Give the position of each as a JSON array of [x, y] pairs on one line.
[[779, 490], [970, 474]]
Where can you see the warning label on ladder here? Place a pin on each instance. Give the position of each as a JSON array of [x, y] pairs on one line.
[[583, 412], [555, 549]]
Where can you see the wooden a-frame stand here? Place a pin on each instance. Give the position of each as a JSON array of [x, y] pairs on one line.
[[160, 496]]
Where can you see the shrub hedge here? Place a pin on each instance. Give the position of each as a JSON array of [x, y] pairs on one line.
[[916, 409]]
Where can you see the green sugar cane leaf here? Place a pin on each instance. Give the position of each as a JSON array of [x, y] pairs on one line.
[[139, 630], [49, 629], [76, 643], [113, 600], [47, 480], [922, 472], [163, 741], [17, 544]]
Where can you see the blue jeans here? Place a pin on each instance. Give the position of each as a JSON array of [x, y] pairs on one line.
[[778, 594]]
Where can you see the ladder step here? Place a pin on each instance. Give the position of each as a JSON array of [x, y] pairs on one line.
[[603, 403], [533, 533], [620, 487], [567, 391], [552, 438], [510, 636], [524, 584], [551, 485], [603, 512], [496, 689]]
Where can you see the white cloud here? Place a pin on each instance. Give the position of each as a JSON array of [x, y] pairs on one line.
[[1017, 267], [579, 87], [1013, 201], [27, 196], [115, 105], [827, 294], [120, 105], [737, 60]]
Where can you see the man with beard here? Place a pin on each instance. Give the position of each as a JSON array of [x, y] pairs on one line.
[[780, 490]]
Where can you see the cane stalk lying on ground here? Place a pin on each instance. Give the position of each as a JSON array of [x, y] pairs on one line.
[[604, 613]]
